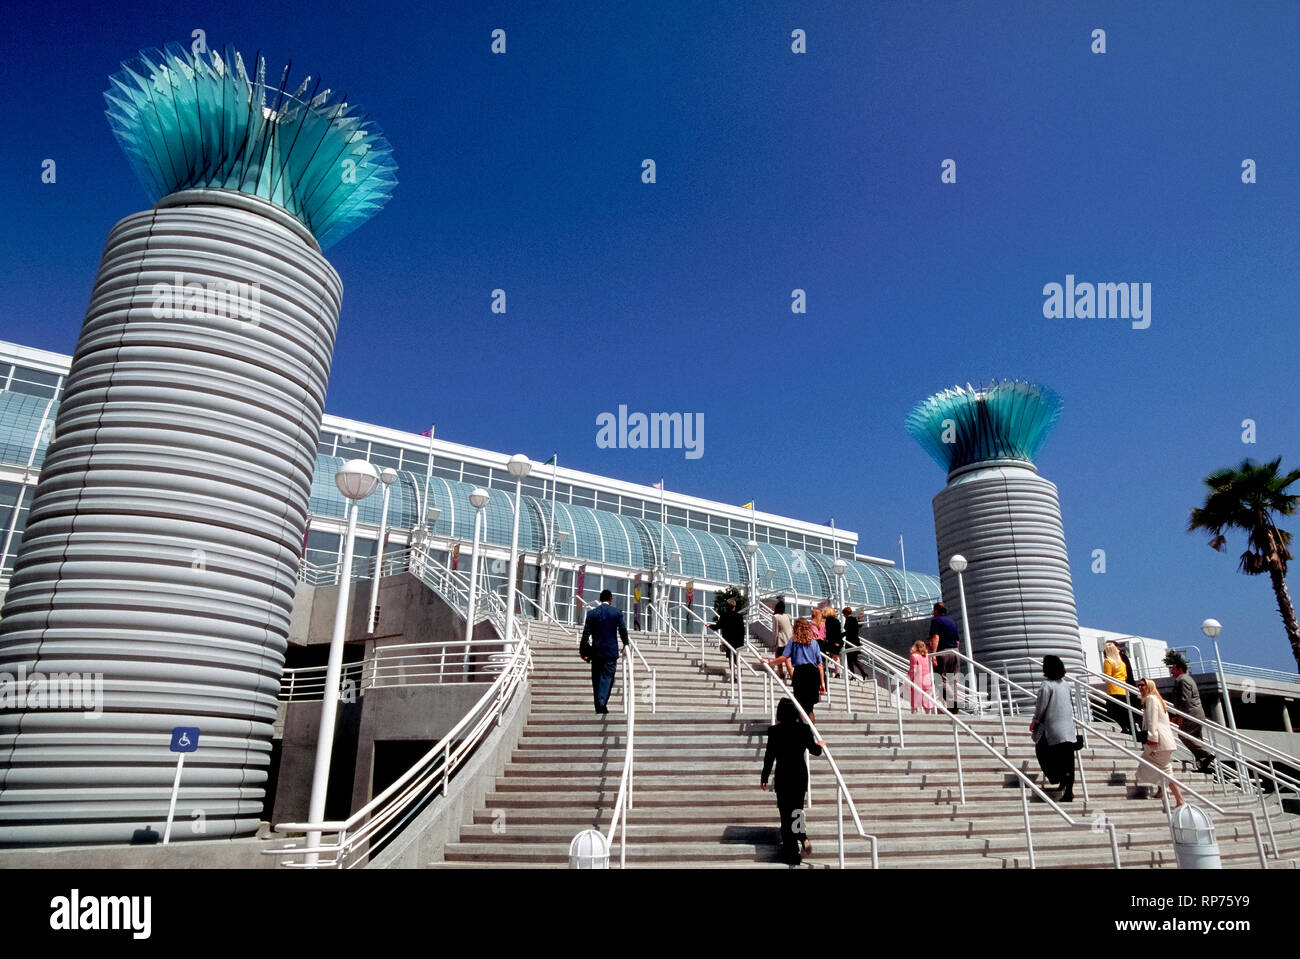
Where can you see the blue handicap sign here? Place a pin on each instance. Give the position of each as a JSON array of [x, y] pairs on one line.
[[185, 739]]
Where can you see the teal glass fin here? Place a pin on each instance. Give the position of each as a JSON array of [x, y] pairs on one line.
[[185, 121], [1008, 420]]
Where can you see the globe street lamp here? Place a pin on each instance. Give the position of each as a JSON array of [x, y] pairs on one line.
[[957, 563], [478, 499], [519, 467], [387, 477], [840, 568], [422, 537], [355, 480]]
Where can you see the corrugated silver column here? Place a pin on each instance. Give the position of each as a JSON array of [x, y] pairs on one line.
[[1006, 520], [164, 537]]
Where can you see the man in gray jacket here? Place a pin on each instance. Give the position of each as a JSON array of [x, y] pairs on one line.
[[1187, 697]]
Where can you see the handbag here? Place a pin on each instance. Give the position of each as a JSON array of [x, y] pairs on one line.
[[1142, 736]]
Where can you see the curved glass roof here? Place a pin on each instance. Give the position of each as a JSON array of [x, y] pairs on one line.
[[20, 419], [596, 536], [600, 536]]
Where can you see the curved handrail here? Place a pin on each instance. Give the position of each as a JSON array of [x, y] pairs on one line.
[[654, 676], [1025, 782], [1227, 731], [302, 684], [624, 801], [1142, 761], [394, 805], [843, 794]]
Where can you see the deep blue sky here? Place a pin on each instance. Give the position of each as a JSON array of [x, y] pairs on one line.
[[775, 171]]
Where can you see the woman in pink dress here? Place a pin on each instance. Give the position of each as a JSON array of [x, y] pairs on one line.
[[919, 673]]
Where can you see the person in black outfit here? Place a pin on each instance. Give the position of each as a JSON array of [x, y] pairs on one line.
[[851, 640], [834, 640], [787, 741], [732, 627]]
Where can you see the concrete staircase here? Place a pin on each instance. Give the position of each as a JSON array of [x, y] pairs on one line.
[[697, 802]]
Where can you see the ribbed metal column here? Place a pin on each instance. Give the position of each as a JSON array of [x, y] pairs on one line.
[[1006, 520], [164, 537]]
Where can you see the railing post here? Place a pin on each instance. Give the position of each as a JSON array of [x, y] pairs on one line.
[[896, 686], [1002, 716], [1087, 727], [446, 771], [1029, 833], [961, 777], [839, 815]]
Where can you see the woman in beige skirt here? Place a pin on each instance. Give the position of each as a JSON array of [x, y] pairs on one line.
[[1160, 743]]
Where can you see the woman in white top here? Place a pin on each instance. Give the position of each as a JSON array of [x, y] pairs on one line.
[[1160, 743], [782, 631]]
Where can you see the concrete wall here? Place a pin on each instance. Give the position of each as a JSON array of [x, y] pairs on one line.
[[410, 612], [898, 637], [422, 843], [212, 854], [411, 713]]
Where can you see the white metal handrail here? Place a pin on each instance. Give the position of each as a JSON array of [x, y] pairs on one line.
[[773, 682], [426, 664], [903, 612], [618, 822], [1245, 765], [307, 683], [327, 574], [1168, 777], [384, 816], [1025, 782], [1241, 669], [654, 676], [1205, 721]]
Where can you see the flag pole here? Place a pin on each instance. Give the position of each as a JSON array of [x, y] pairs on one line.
[[663, 522], [906, 585], [428, 482], [555, 473]]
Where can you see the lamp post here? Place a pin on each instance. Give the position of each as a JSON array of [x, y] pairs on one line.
[[387, 477], [422, 538], [840, 568], [478, 499], [355, 480], [551, 571], [519, 467], [957, 563], [751, 548], [1211, 628], [676, 557]]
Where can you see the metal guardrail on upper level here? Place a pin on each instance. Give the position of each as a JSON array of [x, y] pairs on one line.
[[349, 843], [1250, 672], [307, 683]]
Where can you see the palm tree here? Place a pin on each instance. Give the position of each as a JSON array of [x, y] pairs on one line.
[[1246, 499]]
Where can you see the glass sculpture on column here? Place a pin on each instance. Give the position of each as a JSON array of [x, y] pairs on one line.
[[1006, 520], [163, 542]]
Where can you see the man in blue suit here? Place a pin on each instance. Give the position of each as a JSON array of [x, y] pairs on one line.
[[600, 635]]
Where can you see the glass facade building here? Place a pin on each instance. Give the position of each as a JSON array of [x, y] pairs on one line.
[[572, 526]]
